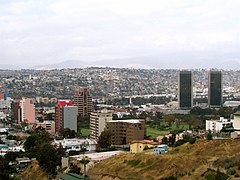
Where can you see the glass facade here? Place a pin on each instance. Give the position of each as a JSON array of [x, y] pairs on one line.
[[215, 89], [185, 89]]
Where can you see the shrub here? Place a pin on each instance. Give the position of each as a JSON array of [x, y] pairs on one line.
[[146, 148], [192, 140], [237, 175], [133, 162], [180, 142], [231, 171]]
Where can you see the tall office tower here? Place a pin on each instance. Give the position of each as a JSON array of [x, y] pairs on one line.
[[215, 89], [83, 100], [66, 116], [185, 90]]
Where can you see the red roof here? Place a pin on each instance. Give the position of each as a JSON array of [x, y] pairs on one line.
[[65, 103]]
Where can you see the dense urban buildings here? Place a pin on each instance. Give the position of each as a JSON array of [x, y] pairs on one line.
[[215, 98], [83, 100], [107, 83], [185, 90], [98, 120], [66, 116], [125, 131]]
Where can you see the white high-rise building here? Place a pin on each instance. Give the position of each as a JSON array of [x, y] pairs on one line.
[[98, 120]]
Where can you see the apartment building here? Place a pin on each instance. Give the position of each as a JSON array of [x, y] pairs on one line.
[[98, 120], [26, 111], [217, 125], [125, 131]]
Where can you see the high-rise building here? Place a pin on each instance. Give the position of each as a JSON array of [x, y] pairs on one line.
[[16, 109], [66, 116], [215, 89], [125, 131], [83, 100], [185, 90], [98, 120], [27, 111]]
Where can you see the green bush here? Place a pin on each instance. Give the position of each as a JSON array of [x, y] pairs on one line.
[[237, 175], [192, 140], [133, 162], [231, 171]]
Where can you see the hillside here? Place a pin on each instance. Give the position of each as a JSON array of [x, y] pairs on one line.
[[34, 172], [202, 160]]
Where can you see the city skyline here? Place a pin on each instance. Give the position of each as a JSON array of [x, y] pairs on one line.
[[136, 34]]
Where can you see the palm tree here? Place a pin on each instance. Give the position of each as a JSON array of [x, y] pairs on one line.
[[84, 162]]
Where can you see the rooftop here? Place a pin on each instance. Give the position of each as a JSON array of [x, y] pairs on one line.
[[128, 121]]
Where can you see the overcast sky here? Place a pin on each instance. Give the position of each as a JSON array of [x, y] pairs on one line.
[[160, 33]]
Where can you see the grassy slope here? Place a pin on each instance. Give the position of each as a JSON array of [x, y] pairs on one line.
[[154, 132], [188, 161]]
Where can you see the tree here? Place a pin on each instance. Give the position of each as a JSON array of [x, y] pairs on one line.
[[49, 157], [164, 140], [10, 156], [4, 168], [172, 140], [170, 119], [31, 142], [143, 115], [105, 139], [74, 169], [84, 161], [209, 135], [68, 133]]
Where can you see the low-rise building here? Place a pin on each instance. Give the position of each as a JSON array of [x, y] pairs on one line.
[[75, 144], [139, 146], [217, 125], [49, 126], [125, 131]]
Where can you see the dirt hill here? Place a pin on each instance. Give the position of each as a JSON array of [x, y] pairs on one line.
[[215, 159], [34, 171]]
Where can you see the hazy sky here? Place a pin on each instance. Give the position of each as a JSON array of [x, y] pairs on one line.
[[167, 32]]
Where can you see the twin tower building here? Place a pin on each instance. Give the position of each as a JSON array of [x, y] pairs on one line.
[[185, 89]]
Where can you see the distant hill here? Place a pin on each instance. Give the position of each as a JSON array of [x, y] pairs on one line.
[[201, 160], [62, 65], [9, 67]]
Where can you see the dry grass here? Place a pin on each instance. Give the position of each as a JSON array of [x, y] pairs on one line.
[[189, 161], [35, 172]]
